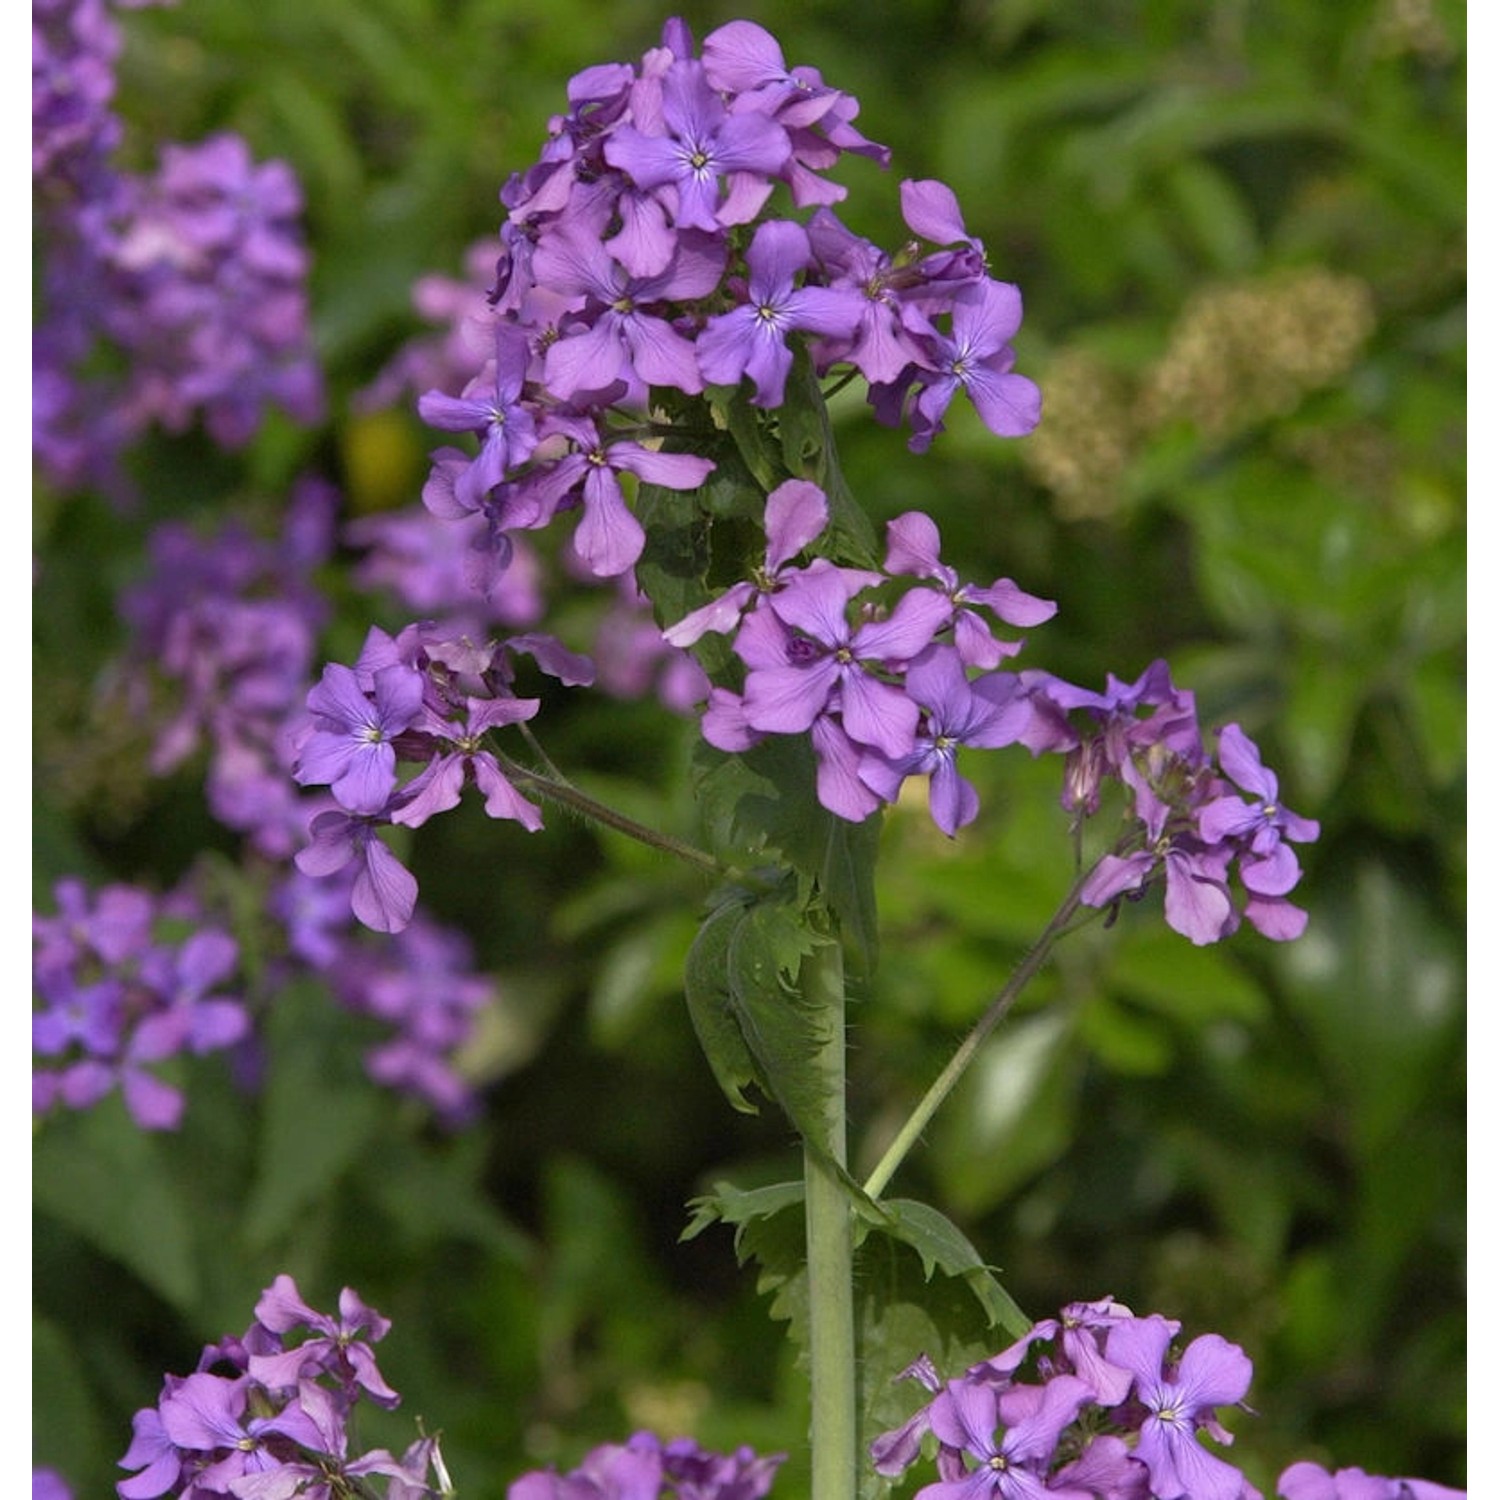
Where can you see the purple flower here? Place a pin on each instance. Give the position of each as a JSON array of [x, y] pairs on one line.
[[1010, 1438], [977, 359], [796, 515], [827, 655], [493, 407], [912, 547], [350, 749], [153, 1454], [701, 145], [1309, 1481], [437, 787], [619, 335], [751, 340], [1180, 1400], [208, 1415], [340, 1346], [952, 715], [384, 893], [609, 539], [1267, 866]]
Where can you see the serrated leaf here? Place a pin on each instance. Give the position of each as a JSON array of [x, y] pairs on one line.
[[727, 1204], [942, 1246], [711, 1008], [785, 1030]]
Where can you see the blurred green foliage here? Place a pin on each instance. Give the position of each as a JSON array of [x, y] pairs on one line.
[[1240, 233]]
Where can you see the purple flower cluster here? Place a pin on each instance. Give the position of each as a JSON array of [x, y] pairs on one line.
[[1309, 1481], [192, 278], [224, 627], [888, 691], [883, 690], [645, 1468], [1190, 822], [276, 1423], [74, 44], [627, 267], [208, 294], [115, 999], [425, 698], [1099, 1403]]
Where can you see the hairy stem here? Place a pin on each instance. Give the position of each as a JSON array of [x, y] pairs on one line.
[[569, 796], [830, 1247], [997, 1009]]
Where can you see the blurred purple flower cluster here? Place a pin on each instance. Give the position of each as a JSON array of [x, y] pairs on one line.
[[116, 998], [277, 1423], [1098, 1404], [164, 297], [645, 1468], [224, 627]]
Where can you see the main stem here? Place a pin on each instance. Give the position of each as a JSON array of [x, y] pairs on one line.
[[830, 1245]]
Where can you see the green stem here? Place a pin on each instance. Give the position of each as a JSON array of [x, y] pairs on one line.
[[998, 1008], [567, 795], [830, 1246]]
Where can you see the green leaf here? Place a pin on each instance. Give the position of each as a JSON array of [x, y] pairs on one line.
[[318, 1114], [752, 1022], [727, 1204], [943, 1247], [763, 802], [112, 1184], [711, 1009]]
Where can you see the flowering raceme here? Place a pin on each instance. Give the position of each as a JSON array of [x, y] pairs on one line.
[[1098, 1402], [276, 1422]]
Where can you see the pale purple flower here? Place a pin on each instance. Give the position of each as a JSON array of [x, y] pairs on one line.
[[48, 1484], [952, 715], [384, 892], [493, 406], [1180, 1400], [1009, 1437], [437, 787], [977, 359], [796, 515], [208, 1414], [752, 338], [350, 749], [827, 654], [1310, 1481], [913, 548], [608, 539], [718, 166], [339, 1347], [1264, 826], [622, 336]]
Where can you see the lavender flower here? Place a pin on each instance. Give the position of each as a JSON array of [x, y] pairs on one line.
[[279, 1437], [976, 358], [1181, 1399], [1310, 1481], [751, 340], [115, 1001], [702, 147]]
